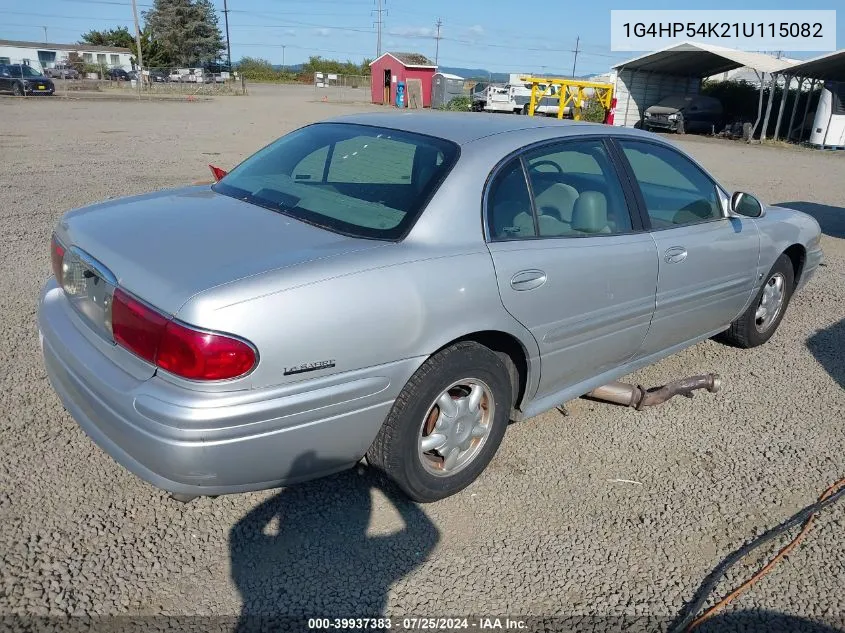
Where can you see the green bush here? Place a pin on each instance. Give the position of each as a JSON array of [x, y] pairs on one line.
[[458, 104], [593, 111]]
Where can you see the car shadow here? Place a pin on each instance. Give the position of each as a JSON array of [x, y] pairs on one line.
[[759, 621], [826, 346], [830, 218], [306, 551]]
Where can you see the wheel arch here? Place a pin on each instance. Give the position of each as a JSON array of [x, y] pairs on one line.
[[512, 351], [797, 254]]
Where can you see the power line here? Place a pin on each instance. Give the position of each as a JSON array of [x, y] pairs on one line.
[[228, 43], [379, 23], [437, 39]]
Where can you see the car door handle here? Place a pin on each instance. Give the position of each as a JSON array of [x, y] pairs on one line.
[[675, 254], [528, 279]]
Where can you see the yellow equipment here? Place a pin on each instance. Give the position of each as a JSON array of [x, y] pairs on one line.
[[570, 92]]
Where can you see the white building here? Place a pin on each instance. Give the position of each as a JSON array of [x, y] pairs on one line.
[[44, 55]]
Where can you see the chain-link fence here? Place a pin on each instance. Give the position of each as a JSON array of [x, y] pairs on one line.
[[342, 88], [27, 78]]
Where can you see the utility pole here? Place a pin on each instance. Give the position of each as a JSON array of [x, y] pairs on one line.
[[138, 42], [228, 46], [45, 33], [437, 39], [380, 11], [575, 59], [283, 57]]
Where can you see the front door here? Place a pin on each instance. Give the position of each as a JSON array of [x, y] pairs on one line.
[[708, 261], [573, 265], [386, 95]]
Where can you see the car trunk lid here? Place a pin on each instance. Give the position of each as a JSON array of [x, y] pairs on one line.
[[168, 246]]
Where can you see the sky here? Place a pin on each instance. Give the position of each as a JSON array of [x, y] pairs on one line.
[[500, 36]]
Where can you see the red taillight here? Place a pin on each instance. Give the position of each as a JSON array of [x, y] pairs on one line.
[[202, 355], [179, 349], [57, 256]]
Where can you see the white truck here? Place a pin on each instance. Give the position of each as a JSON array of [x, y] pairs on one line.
[[508, 98], [515, 97]]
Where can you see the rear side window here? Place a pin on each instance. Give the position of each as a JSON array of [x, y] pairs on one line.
[[509, 212], [358, 180], [576, 190]]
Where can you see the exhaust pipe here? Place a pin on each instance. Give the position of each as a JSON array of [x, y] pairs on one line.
[[637, 397]]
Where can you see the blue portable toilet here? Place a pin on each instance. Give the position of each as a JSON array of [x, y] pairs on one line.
[[400, 94]]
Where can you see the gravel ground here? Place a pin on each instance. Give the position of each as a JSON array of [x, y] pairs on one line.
[[547, 530]]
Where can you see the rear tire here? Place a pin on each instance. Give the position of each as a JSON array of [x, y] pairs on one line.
[[476, 384], [760, 321]]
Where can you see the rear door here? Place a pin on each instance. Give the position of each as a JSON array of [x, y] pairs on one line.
[[577, 271], [707, 260]]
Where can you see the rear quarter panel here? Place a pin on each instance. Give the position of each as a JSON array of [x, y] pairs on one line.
[[400, 302]]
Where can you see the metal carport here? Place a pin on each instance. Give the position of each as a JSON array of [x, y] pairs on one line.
[[828, 67], [680, 68]]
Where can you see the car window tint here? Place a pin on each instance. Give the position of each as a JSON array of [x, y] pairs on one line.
[[675, 190], [509, 213], [353, 161], [312, 167], [577, 191], [379, 179]]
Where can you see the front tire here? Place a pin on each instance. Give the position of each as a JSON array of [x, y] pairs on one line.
[[17, 90], [760, 321], [446, 424]]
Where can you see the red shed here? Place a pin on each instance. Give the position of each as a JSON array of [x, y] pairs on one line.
[[391, 68]]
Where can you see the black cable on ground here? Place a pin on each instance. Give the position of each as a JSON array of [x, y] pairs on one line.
[[688, 615]]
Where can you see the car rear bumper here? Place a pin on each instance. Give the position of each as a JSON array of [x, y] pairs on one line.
[[210, 443]]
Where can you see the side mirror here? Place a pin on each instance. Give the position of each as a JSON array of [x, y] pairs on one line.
[[746, 205]]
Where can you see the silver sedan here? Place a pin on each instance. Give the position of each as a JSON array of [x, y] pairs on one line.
[[398, 287]]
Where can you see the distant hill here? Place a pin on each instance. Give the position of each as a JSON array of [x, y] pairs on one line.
[[480, 74]]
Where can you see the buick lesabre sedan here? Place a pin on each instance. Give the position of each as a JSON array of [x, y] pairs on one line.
[[398, 287]]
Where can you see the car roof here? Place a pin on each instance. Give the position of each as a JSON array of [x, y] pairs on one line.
[[458, 127]]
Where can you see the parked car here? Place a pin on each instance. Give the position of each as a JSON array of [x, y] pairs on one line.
[[179, 75], [133, 75], [20, 80], [117, 74], [684, 113], [62, 71], [398, 286], [159, 76]]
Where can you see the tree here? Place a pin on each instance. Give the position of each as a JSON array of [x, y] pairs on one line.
[[120, 37], [186, 30], [154, 56]]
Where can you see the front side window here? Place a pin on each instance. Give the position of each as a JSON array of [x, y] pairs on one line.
[[675, 190], [358, 180], [576, 190]]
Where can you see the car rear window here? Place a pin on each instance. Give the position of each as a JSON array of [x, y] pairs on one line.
[[358, 180]]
